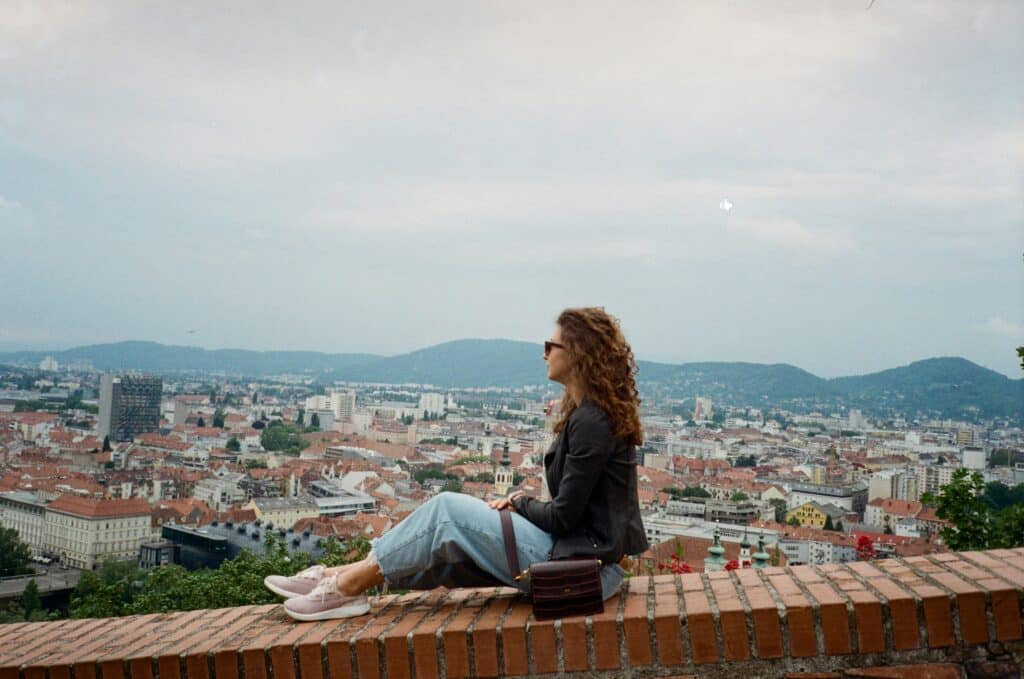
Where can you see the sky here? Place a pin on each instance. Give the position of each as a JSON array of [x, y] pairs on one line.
[[381, 177]]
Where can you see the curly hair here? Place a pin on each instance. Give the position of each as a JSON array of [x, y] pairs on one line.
[[602, 363]]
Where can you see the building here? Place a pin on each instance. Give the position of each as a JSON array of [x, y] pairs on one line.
[[432, 405], [208, 546], [816, 515], [702, 410], [82, 532], [965, 437], [885, 513], [503, 475], [129, 406], [932, 478], [283, 512], [343, 403], [973, 457], [852, 497], [220, 491], [49, 364], [25, 513]]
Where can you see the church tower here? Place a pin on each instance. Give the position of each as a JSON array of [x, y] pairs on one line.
[[745, 559], [503, 474]]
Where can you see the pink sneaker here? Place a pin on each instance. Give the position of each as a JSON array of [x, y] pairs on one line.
[[325, 602], [301, 583]]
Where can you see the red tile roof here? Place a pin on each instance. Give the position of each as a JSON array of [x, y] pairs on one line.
[[99, 509]]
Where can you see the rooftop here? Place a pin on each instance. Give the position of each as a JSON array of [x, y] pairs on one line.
[[941, 616]]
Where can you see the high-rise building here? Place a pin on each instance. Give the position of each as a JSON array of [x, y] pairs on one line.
[[965, 437], [343, 403], [129, 405], [702, 410], [432, 404]]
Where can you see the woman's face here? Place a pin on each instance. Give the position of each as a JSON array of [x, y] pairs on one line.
[[558, 359]]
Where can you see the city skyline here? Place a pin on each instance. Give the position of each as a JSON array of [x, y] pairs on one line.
[[837, 188]]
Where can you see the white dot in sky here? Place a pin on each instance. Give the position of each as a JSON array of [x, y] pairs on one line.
[[725, 205]]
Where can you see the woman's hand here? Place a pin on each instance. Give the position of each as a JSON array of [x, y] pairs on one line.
[[505, 502]]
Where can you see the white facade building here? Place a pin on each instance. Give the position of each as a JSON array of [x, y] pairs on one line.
[[81, 532]]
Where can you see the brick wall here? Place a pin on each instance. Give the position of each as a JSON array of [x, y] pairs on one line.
[[947, 615]]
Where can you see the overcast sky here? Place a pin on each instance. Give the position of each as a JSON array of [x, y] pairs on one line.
[[353, 178]]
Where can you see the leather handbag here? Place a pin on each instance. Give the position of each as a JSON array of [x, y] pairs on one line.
[[558, 589]]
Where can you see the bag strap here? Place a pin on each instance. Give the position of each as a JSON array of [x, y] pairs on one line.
[[509, 535]]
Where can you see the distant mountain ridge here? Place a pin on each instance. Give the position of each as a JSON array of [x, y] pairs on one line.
[[943, 387]]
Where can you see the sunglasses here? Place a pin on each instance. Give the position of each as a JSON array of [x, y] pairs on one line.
[[548, 346]]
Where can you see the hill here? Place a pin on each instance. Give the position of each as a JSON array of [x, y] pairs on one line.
[[936, 387]]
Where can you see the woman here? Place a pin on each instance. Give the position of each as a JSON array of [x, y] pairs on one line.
[[456, 540]]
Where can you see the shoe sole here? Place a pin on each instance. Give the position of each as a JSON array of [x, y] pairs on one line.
[[282, 592], [349, 611]]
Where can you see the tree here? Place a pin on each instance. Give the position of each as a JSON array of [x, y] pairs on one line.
[[689, 491], [840, 528], [739, 496], [314, 421], [201, 422], [14, 554], [218, 418], [255, 397], [793, 521], [865, 548], [106, 444], [31, 602], [233, 445], [745, 461], [780, 509], [281, 437], [828, 524], [961, 502], [301, 419], [1020, 353]]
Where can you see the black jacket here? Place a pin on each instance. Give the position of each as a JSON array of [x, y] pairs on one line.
[[591, 474]]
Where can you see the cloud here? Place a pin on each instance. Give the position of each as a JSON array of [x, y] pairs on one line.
[[1001, 328], [789, 234]]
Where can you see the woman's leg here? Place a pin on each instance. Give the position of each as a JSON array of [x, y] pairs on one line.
[[451, 540]]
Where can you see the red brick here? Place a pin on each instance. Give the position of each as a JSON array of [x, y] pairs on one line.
[[424, 636], [867, 613], [543, 648], [970, 602], [574, 644], [282, 652], [396, 642], [732, 618], [834, 620], [938, 618], [454, 638], [634, 623], [606, 636], [366, 640], [236, 623], [310, 649], [902, 611], [667, 626], [513, 638], [485, 636], [921, 671], [1005, 608], [701, 626], [803, 640]]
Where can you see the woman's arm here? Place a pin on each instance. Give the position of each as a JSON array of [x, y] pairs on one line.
[[590, 445]]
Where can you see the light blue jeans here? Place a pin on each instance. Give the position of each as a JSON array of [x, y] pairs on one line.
[[455, 540]]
